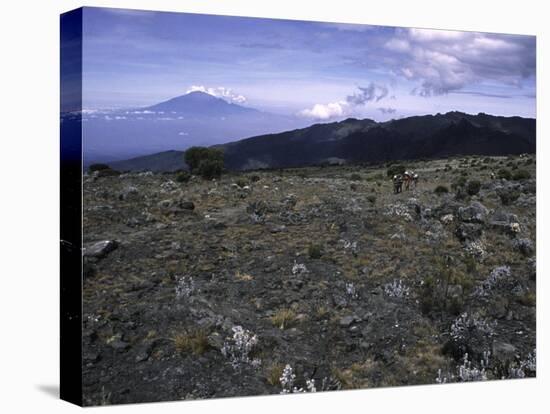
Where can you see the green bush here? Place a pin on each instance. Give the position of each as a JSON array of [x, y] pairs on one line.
[[210, 168], [473, 187], [504, 174], [355, 177], [521, 175], [98, 167], [254, 178], [183, 177], [441, 189], [395, 169], [371, 198]]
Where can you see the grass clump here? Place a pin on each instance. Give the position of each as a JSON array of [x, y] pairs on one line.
[[283, 318], [195, 342], [273, 373]]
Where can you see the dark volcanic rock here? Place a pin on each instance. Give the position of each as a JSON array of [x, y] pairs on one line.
[[100, 249]]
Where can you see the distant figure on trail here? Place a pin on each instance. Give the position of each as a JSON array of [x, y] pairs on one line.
[[410, 177], [493, 176], [397, 183]]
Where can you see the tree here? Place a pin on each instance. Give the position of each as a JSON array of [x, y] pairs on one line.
[[207, 162]]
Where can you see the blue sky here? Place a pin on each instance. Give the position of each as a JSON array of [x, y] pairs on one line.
[[319, 71]]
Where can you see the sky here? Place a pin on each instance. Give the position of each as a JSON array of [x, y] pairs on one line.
[[314, 70]]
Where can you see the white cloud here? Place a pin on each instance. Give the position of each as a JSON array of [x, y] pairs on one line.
[[326, 111], [219, 92], [372, 93]]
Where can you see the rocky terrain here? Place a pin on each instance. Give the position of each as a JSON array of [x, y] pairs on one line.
[[298, 280]]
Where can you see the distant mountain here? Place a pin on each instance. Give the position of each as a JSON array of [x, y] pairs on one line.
[[351, 140], [200, 104], [196, 118]]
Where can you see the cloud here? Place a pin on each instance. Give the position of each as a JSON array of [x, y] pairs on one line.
[[387, 110], [326, 111], [219, 92], [373, 92], [442, 61]]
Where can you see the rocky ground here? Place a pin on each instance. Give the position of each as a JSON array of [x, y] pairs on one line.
[[307, 279]]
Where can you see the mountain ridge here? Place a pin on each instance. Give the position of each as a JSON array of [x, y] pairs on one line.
[[367, 141]]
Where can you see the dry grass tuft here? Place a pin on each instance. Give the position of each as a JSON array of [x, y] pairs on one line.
[[283, 318], [195, 342]]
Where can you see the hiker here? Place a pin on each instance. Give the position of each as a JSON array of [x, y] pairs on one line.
[[397, 183]]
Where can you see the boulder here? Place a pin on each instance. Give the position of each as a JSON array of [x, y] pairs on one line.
[[100, 249]]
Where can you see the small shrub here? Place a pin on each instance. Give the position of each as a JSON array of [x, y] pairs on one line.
[[473, 187], [183, 177], [254, 178], [371, 198], [283, 318], [504, 173], [238, 349], [315, 251], [355, 177], [521, 175], [508, 197], [441, 189], [396, 289]]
